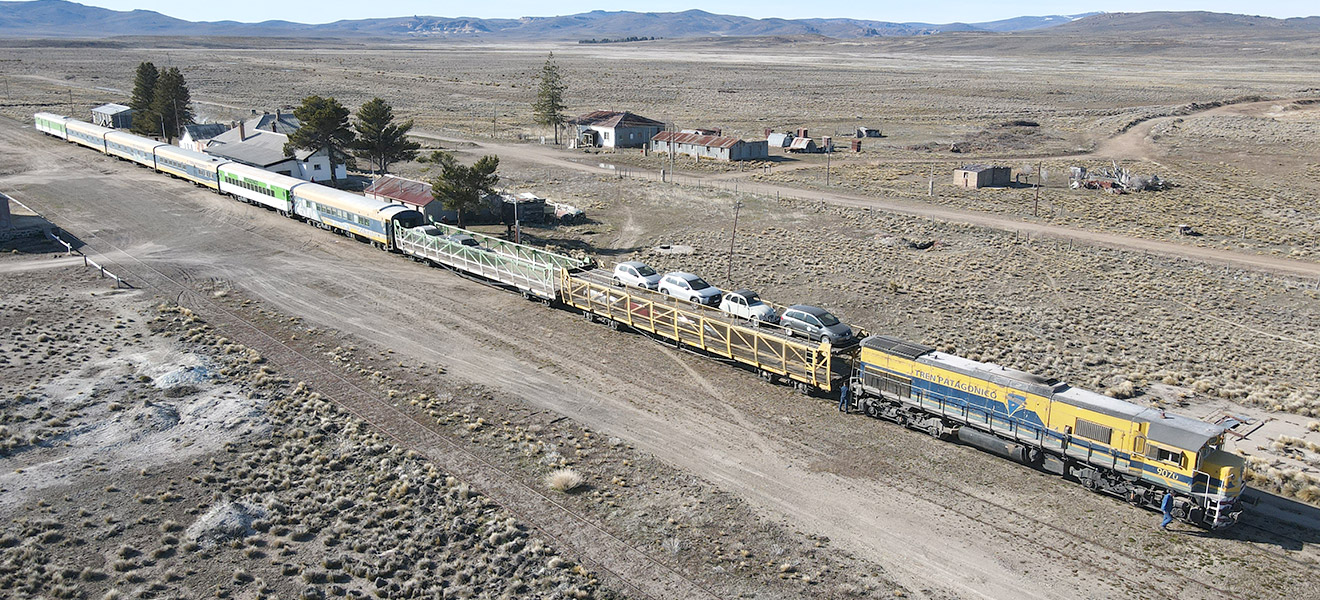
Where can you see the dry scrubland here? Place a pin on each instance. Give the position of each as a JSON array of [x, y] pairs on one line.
[[146, 455], [196, 470]]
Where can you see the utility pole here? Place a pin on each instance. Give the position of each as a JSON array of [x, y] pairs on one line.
[[1035, 211], [827, 167], [930, 189], [70, 102], [728, 274], [492, 123], [672, 129]]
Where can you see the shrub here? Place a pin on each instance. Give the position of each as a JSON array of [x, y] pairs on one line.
[[563, 480]]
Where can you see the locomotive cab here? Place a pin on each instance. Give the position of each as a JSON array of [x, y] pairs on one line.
[[1224, 485]]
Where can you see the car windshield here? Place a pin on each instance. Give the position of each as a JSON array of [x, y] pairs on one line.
[[752, 299], [645, 271], [698, 283], [828, 319]]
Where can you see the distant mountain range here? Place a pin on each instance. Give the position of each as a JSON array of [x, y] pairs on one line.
[[63, 19], [60, 18]]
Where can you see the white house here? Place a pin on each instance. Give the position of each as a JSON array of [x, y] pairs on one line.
[[264, 148], [196, 136], [612, 129]]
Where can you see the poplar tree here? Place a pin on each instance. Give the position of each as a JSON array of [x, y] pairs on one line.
[[549, 105], [144, 91], [324, 126], [380, 140], [171, 103]]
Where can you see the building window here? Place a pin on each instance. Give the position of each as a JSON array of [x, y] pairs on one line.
[[606, 134], [316, 167]]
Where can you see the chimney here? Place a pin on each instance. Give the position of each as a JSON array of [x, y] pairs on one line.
[[242, 134]]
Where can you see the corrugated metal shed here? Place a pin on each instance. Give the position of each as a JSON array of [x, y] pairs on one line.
[[407, 191], [803, 144], [694, 139], [110, 109], [779, 140]]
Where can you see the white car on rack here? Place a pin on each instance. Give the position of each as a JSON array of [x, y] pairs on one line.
[[686, 286], [748, 305], [636, 274]]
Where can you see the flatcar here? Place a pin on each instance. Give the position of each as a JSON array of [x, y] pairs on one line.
[[1107, 444]]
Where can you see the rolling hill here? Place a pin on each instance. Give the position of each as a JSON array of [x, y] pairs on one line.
[[64, 19]]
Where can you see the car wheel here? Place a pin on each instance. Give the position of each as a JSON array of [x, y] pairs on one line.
[[618, 282], [665, 291]]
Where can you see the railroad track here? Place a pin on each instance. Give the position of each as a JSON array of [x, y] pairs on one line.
[[621, 563]]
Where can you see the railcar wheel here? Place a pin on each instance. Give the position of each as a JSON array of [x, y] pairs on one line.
[[766, 375], [802, 387]]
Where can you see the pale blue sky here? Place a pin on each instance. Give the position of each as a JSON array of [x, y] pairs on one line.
[[929, 11]]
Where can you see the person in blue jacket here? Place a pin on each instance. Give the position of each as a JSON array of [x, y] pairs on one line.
[[843, 399], [1166, 507]]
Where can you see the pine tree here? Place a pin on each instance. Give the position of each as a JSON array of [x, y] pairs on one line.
[[324, 126], [460, 188], [549, 105], [144, 91], [172, 103], [379, 140]]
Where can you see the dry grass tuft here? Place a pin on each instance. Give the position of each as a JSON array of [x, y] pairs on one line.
[[564, 480]]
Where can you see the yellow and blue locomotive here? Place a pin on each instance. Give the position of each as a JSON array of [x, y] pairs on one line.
[[1107, 444]]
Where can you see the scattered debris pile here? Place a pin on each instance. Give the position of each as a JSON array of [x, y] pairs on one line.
[[1115, 179]]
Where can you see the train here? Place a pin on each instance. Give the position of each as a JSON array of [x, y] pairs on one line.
[[1111, 446]]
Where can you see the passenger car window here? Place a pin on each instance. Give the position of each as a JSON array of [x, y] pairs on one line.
[[811, 320]]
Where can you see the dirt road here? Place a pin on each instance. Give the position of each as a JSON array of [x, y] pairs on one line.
[[942, 519]]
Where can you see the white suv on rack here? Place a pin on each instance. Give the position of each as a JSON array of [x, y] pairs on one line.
[[686, 286]]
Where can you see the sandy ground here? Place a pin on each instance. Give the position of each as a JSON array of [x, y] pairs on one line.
[[936, 519]]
